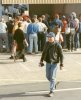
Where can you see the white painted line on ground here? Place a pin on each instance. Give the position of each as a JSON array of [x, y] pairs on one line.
[[69, 89], [75, 61], [45, 80], [59, 90], [25, 67], [72, 81]]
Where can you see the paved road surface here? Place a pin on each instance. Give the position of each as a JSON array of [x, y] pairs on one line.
[[27, 81], [39, 91]]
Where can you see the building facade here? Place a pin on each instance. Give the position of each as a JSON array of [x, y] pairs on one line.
[[48, 6]]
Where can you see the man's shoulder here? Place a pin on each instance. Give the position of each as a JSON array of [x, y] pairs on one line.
[[57, 44]]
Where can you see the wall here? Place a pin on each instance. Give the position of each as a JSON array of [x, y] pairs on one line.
[[40, 9], [73, 8], [54, 8]]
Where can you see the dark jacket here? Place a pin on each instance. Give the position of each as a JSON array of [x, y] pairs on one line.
[[19, 38], [52, 53]]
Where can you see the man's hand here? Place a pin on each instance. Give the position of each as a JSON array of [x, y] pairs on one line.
[[26, 43], [61, 66], [41, 64]]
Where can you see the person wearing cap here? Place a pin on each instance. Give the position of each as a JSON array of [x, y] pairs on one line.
[[74, 34], [51, 54], [57, 21]]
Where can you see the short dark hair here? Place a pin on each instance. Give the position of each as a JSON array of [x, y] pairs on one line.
[[19, 24], [17, 17], [33, 20]]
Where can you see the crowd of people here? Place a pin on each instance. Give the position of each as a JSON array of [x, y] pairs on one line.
[[67, 31]]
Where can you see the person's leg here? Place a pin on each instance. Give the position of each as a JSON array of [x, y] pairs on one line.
[[53, 77], [10, 40], [36, 43], [39, 41], [48, 67], [51, 74], [75, 41], [80, 39], [78, 42], [30, 43], [68, 41], [5, 38], [64, 40], [72, 45], [1, 42], [23, 55], [43, 40]]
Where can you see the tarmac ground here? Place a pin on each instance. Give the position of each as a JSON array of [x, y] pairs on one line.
[[26, 80]]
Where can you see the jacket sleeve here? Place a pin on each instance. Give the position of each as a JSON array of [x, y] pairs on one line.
[[44, 52]]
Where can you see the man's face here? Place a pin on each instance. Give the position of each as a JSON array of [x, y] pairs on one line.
[[51, 39], [56, 29]]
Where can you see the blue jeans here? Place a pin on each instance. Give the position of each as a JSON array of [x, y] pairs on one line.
[[51, 75], [33, 39], [76, 40]]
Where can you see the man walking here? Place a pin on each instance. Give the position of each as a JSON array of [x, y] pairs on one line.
[[19, 41], [52, 53]]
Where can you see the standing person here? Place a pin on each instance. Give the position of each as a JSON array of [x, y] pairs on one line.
[[57, 21], [74, 35], [10, 25], [35, 18], [25, 26], [19, 40], [32, 31], [44, 20], [3, 35], [51, 54], [41, 34], [64, 21], [79, 30], [58, 35], [16, 21]]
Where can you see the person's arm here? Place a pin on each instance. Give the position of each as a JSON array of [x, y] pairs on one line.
[[29, 29], [26, 42], [43, 55], [44, 52]]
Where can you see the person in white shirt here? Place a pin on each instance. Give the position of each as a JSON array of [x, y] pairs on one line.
[[58, 36], [41, 34], [25, 25], [3, 35]]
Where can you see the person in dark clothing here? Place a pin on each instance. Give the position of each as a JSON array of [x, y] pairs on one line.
[[19, 41], [52, 53], [10, 34]]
